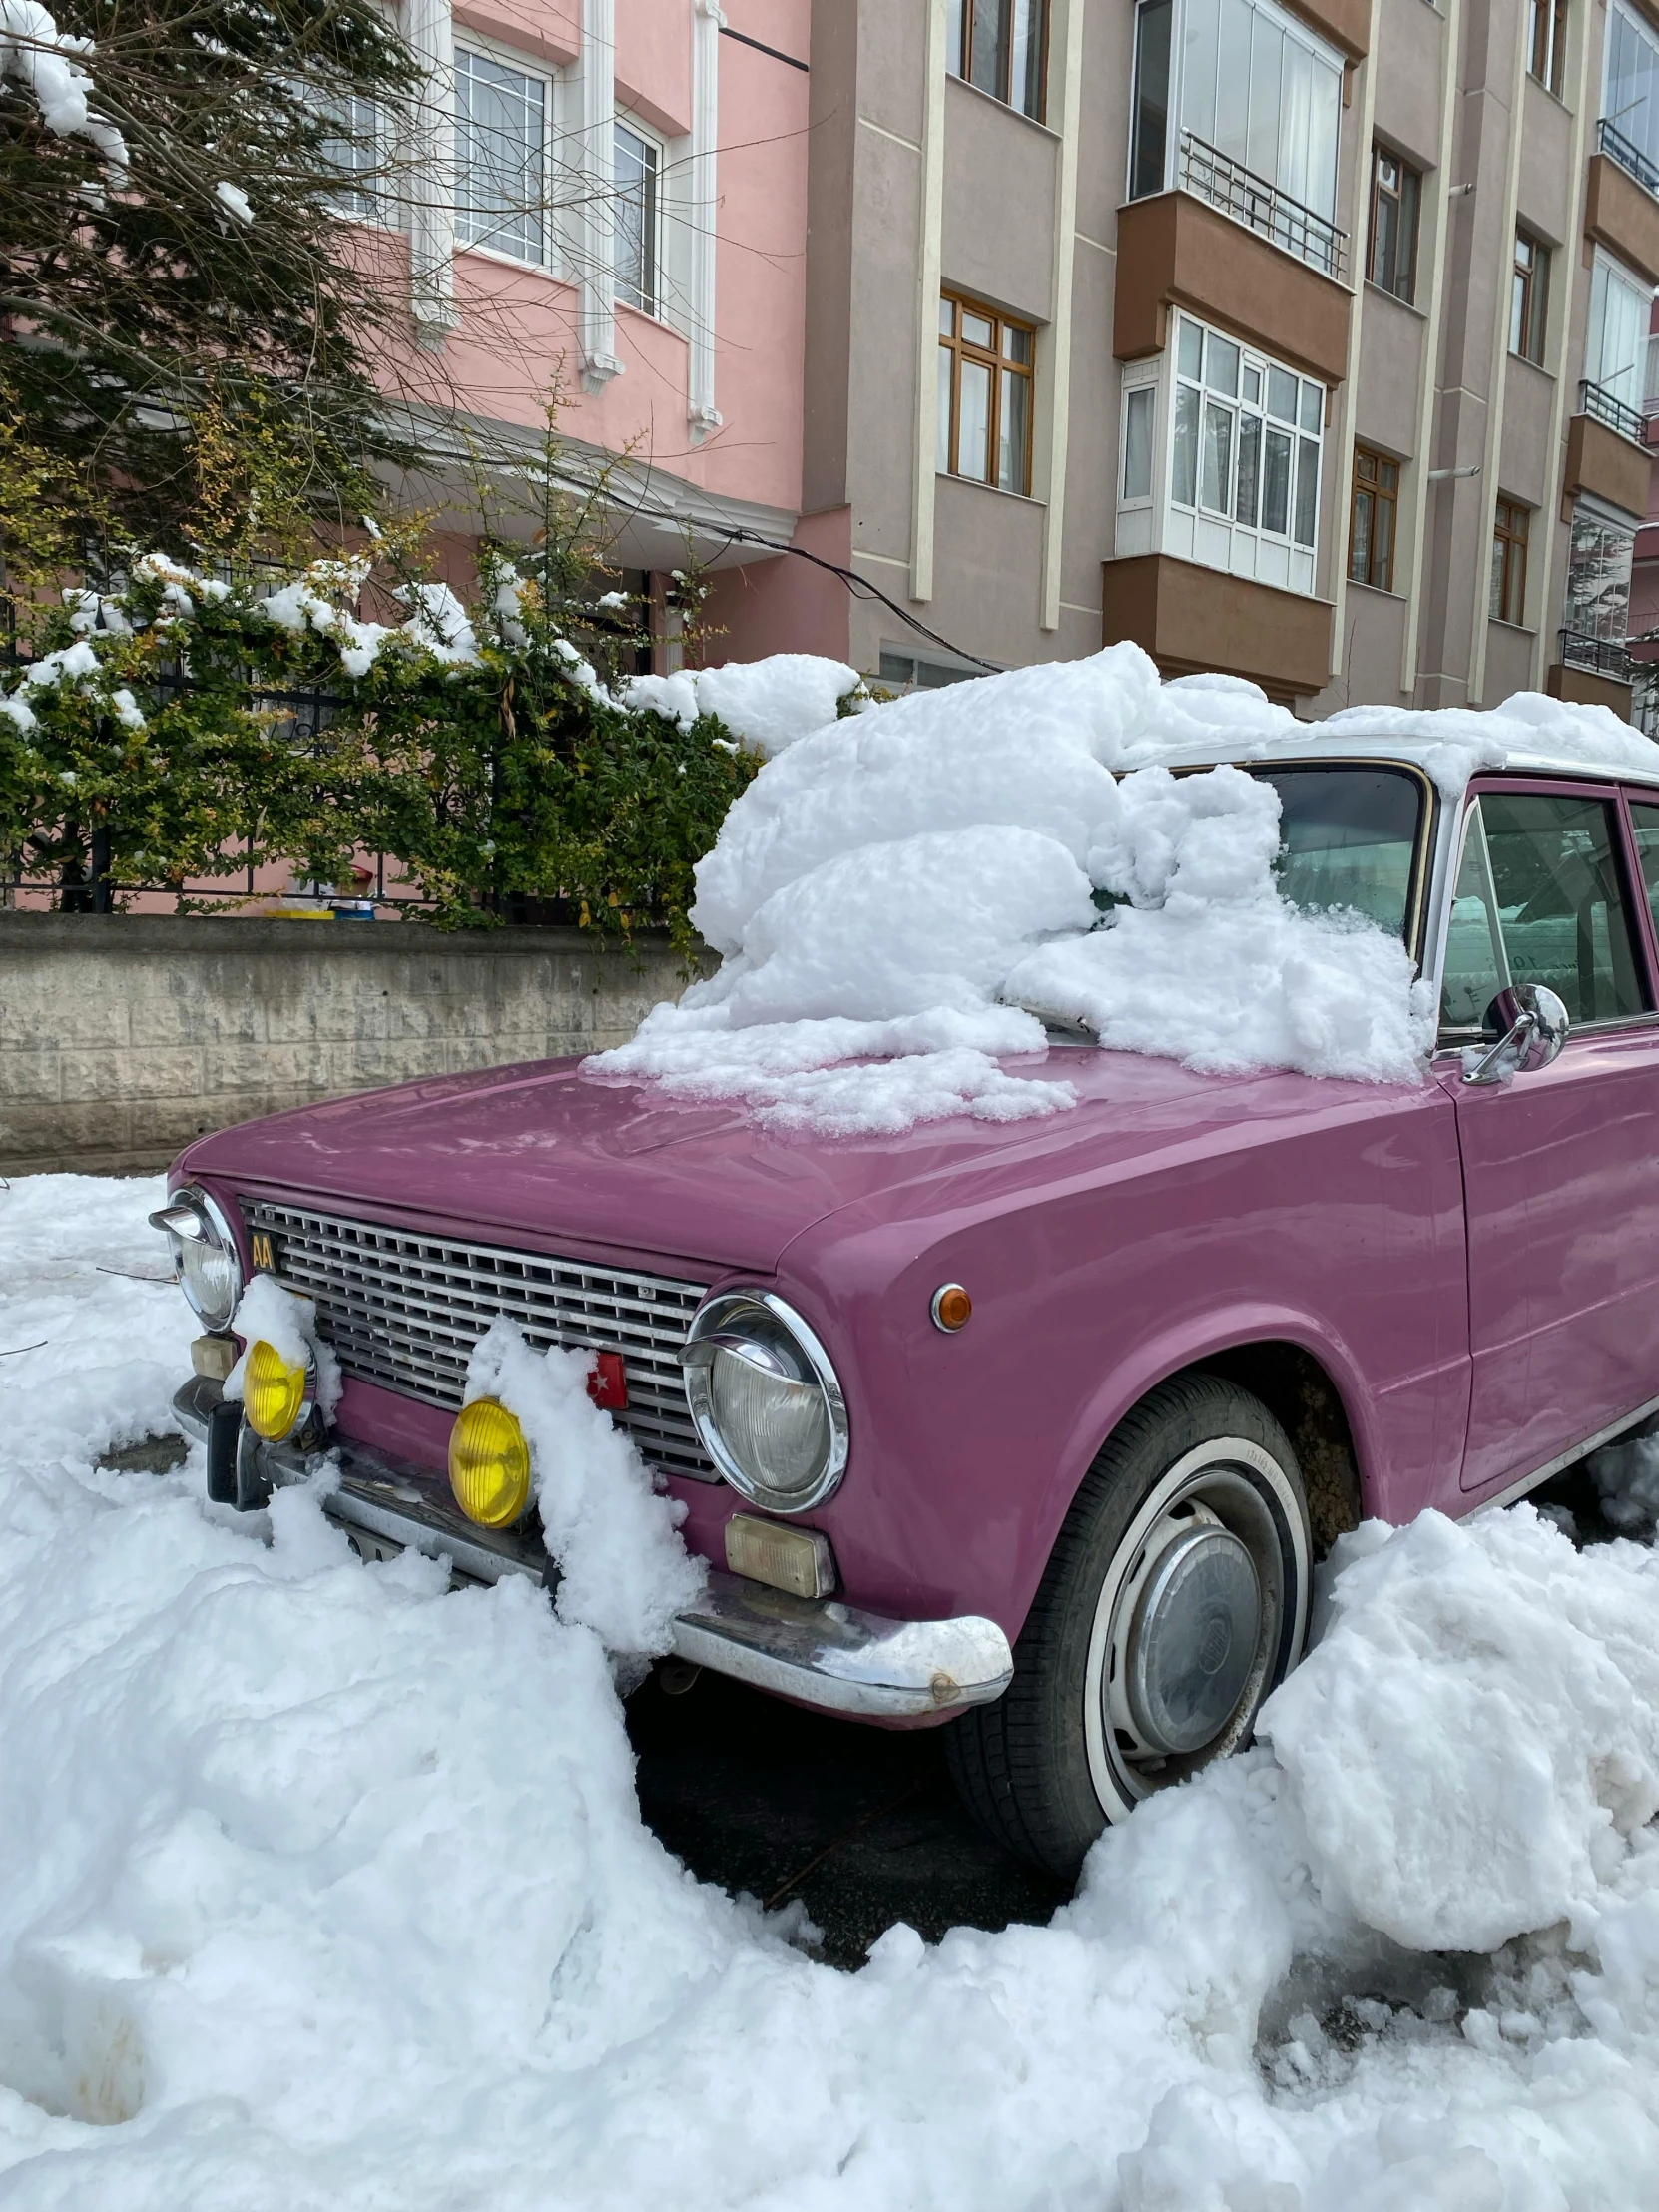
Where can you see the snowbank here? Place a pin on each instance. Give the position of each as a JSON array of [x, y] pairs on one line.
[[320, 1886]]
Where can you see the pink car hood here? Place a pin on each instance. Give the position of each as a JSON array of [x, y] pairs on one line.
[[543, 1148]]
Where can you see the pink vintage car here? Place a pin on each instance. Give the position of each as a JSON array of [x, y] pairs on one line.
[[1033, 1428]]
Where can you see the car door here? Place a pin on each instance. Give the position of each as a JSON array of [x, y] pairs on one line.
[[1561, 1164]]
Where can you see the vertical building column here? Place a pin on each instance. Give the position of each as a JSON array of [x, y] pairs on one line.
[[596, 273], [1560, 351], [1493, 450], [1435, 218], [704, 209], [1342, 445], [929, 247], [1065, 81], [426, 26]]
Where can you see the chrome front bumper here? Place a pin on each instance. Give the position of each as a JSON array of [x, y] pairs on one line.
[[818, 1652]]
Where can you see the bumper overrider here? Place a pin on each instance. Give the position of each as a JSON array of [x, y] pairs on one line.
[[818, 1652]]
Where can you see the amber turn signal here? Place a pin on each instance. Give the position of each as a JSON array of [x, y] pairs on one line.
[[951, 1307], [489, 1463]]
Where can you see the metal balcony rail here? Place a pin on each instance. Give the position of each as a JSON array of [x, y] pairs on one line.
[[1605, 406], [1629, 157], [1216, 176], [1602, 654]]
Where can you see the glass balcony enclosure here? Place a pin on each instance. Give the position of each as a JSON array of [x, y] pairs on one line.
[[1615, 345], [1237, 102], [1220, 457], [1630, 95]]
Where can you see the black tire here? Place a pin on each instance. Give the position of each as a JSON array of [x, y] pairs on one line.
[[1197, 1474]]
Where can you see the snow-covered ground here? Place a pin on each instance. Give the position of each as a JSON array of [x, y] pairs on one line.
[[320, 1886]]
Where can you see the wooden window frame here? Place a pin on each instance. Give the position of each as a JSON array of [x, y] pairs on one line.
[[1375, 476], [960, 349], [960, 63], [1546, 60], [1511, 526], [1409, 195], [1533, 280]]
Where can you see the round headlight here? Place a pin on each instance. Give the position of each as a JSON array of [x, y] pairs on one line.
[[205, 1253], [274, 1392], [489, 1463], [766, 1400]]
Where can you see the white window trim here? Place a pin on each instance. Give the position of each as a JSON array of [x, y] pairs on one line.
[[543, 73], [627, 120], [1644, 30], [1249, 358], [1142, 376], [1321, 49], [1623, 274]]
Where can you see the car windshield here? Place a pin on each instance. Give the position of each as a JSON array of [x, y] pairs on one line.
[[1349, 838]]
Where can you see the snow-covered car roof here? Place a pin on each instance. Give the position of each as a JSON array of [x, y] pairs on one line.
[[1321, 741]]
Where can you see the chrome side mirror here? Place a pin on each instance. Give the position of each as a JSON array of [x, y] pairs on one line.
[[1532, 1027]]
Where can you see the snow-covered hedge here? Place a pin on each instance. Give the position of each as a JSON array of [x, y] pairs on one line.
[[154, 739]]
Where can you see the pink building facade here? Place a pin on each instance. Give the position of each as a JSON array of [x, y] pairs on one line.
[[610, 198]]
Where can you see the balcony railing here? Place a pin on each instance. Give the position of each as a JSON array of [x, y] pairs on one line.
[[1600, 655], [1251, 200], [1605, 406], [1629, 157]]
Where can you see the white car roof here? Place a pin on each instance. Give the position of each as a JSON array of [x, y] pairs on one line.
[[1433, 755]]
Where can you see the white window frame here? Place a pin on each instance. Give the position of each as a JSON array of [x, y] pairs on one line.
[[1321, 53], [1605, 271], [1204, 529], [553, 254], [625, 118], [1644, 31]]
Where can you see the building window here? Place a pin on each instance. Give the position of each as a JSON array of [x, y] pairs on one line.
[[1547, 34], [1596, 612], [1615, 340], [1509, 528], [502, 122], [1246, 439], [1529, 298], [1630, 95], [984, 396], [1371, 531], [1395, 191], [353, 151], [1140, 422], [901, 668], [635, 164], [1001, 45], [1254, 100]]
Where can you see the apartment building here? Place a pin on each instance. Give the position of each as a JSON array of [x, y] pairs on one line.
[[1305, 341], [608, 197]]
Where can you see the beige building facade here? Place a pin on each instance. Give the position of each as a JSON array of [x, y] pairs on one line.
[[1305, 341]]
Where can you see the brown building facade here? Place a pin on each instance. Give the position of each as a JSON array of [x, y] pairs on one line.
[[1305, 341]]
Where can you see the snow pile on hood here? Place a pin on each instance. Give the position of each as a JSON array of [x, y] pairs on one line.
[[624, 1572], [319, 1885], [766, 705], [947, 857]]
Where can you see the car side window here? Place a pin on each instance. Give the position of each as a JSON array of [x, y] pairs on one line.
[[1539, 899], [1644, 819]]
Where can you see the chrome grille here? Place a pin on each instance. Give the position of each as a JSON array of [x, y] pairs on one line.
[[405, 1310]]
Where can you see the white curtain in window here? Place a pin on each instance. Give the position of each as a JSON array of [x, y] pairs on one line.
[[1630, 85], [1615, 346], [1263, 95]]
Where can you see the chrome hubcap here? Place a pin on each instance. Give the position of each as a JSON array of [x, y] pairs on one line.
[[1201, 1606], [1192, 1638]]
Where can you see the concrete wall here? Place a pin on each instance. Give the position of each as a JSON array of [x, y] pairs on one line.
[[123, 1037]]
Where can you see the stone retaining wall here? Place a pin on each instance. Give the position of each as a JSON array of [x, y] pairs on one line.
[[124, 1036]]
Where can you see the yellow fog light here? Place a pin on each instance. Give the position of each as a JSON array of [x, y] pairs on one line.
[[272, 1392], [489, 1463]]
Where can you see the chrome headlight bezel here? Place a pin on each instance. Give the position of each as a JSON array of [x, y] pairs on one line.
[[722, 1316], [212, 1227]]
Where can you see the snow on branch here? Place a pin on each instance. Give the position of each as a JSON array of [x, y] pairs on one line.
[[36, 54]]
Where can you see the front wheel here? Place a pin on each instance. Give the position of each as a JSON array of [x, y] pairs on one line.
[[1175, 1601]]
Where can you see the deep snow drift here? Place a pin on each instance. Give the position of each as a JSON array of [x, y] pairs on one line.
[[323, 1887], [900, 893]]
